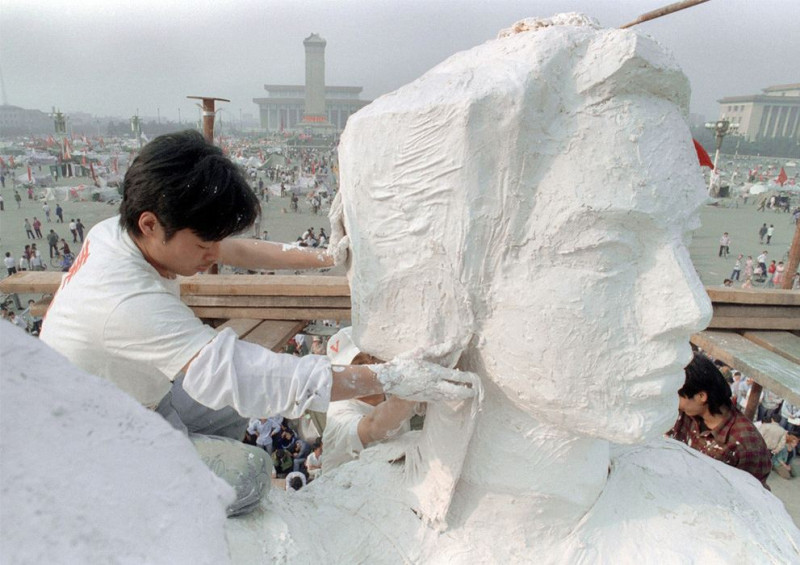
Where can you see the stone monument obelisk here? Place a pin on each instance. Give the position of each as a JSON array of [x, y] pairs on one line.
[[315, 115]]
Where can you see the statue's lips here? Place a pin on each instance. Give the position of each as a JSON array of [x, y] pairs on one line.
[[657, 383]]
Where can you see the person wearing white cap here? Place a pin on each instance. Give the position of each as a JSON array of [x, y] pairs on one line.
[[354, 424]]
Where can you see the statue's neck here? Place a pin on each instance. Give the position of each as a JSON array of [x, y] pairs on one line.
[[523, 468]]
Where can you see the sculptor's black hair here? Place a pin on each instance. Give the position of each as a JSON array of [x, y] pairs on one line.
[[296, 483], [187, 183], [703, 376]]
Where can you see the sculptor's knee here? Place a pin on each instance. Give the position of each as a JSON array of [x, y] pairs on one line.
[[246, 468]]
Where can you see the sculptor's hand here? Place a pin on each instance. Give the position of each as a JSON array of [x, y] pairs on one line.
[[416, 379], [339, 242]]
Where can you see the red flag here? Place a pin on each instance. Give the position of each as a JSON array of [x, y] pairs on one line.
[[782, 178], [83, 160], [91, 167], [702, 156], [2, 163], [30, 176], [11, 162]]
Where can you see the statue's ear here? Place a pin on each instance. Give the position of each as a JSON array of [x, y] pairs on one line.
[[619, 62], [399, 306]]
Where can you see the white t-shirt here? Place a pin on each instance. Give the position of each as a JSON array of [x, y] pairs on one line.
[[340, 441], [115, 317], [313, 462], [9, 262]]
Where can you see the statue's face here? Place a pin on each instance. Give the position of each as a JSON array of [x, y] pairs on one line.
[[591, 310]]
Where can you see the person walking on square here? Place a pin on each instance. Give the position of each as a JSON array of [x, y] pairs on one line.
[[46, 209], [2, 204], [18, 198], [36, 262], [771, 274], [10, 263], [52, 241], [724, 245], [29, 230], [762, 232], [770, 233], [737, 268], [37, 227], [59, 213], [73, 229], [80, 227], [777, 279], [762, 262]]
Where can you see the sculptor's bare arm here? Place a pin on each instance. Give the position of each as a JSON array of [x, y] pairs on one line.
[[257, 254], [385, 420], [352, 381]]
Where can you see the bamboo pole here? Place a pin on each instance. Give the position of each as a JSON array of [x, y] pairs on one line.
[[793, 261], [676, 7]]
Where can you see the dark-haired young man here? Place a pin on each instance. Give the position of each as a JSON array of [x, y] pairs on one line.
[[118, 313], [709, 423]]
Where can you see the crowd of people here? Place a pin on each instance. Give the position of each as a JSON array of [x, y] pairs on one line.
[[762, 271], [302, 449], [289, 450]]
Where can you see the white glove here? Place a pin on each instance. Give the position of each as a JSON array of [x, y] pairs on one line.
[[339, 241], [339, 250], [416, 379]]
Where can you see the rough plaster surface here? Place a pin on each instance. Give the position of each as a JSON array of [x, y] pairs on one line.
[[90, 476]]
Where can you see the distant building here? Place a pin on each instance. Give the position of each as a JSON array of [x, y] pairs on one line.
[[20, 121], [313, 105], [773, 114]]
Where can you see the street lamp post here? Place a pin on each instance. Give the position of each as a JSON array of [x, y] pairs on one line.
[[721, 128], [136, 127]]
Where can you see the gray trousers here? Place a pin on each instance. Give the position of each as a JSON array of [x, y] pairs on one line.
[[217, 435], [187, 415]]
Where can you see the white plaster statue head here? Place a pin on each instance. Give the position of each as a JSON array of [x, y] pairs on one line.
[[531, 199]]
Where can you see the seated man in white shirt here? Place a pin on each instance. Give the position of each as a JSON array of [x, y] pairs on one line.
[[314, 460], [354, 424]]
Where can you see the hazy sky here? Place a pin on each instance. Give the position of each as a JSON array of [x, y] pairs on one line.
[[111, 57]]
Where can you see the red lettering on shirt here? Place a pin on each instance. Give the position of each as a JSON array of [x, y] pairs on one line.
[[79, 261]]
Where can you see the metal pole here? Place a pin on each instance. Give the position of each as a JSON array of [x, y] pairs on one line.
[[208, 115], [711, 173]]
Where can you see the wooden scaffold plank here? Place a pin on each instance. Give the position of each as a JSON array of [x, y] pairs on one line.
[[769, 369]]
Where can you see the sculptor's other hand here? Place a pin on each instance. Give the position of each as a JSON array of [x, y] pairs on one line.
[[339, 242], [416, 379]]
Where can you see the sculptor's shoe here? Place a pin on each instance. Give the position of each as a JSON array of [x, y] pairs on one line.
[[784, 472]]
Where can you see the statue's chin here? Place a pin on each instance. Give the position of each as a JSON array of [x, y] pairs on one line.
[[626, 424], [629, 425]]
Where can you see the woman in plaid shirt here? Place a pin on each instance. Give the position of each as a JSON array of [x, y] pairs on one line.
[[709, 423]]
